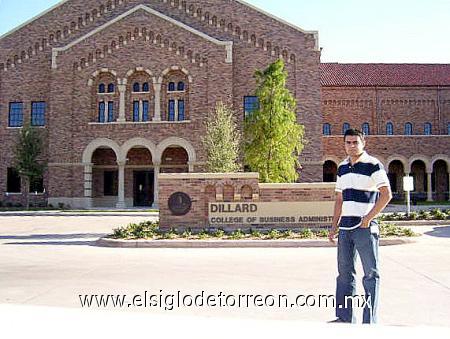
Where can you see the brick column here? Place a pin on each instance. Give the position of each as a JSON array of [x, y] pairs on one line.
[[121, 195], [157, 89], [429, 190], [157, 167], [122, 89]]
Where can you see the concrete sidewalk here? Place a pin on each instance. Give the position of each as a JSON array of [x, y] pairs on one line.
[[50, 260]]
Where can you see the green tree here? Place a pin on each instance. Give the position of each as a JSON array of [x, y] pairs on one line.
[[222, 141], [273, 138], [27, 152]]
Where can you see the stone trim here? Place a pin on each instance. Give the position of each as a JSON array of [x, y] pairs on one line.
[[316, 185], [227, 44], [175, 176]]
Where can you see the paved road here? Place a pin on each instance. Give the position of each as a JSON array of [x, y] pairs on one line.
[[51, 260]]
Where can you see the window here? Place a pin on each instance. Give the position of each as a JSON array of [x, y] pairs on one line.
[[145, 107], [251, 104], [448, 128], [180, 110], [366, 128], [145, 87], [101, 112], [136, 87], [13, 181], [15, 114], [37, 185], [135, 110], [326, 129], [101, 88], [111, 88], [171, 110], [110, 183], [171, 86], [110, 111], [427, 128], [345, 127], [389, 128], [180, 86], [408, 128], [38, 113]]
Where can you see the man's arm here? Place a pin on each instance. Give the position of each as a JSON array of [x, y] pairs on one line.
[[336, 216], [383, 200]]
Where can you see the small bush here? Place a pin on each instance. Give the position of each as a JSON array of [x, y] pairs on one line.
[[219, 233], [203, 234], [237, 234], [273, 234], [306, 233]]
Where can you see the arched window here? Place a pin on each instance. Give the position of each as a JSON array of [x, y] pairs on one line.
[[101, 88], [326, 129], [101, 111], [171, 86], [427, 128], [111, 88], [408, 128], [145, 87], [180, 86], [136, 87], [345, 127], [389, 128], [366, 128]]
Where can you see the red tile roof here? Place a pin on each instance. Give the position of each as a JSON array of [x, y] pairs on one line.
[[335, 74]]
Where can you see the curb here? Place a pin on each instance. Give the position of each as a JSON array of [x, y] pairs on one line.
[[418, 222], [106, 242]]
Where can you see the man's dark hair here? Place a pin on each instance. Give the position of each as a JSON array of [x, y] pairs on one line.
[[355, 132]]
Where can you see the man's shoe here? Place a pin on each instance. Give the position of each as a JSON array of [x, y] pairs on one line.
[[337, 320]]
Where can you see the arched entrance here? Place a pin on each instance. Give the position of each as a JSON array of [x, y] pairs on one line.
[[174, 160], [396, 172], [440, 181], [329, 171], [419, 173], [139, 178]]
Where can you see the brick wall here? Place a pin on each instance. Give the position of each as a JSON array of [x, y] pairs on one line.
[[204, 188]]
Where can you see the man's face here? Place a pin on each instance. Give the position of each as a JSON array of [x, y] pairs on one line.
[[354, 145]]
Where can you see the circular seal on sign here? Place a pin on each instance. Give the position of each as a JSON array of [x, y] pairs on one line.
[[180, 203]]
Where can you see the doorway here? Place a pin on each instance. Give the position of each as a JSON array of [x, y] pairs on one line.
[[143, 188]]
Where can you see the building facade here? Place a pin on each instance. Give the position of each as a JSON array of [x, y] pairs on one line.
[[121, 90], [404, 109]]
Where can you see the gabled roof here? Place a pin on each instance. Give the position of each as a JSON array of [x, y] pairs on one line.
[[227, 44], [335, 74]]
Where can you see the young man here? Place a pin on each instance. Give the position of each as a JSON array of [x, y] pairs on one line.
[[363, 191]]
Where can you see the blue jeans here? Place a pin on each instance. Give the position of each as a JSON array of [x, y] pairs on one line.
[[363, 241]]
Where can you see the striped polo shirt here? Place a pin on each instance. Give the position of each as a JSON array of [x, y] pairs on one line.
[[359, 184]]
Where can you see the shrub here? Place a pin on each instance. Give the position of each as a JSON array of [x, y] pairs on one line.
[[273, 234], [237, 234], [203, 234], [306, 233], [219, 233]]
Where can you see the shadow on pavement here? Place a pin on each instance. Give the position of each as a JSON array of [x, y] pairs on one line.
[[440, 232], [57, 243], [66, 236]]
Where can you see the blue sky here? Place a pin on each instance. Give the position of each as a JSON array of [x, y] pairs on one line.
[[349, 30]]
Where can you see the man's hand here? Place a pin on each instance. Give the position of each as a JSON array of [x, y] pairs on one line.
[[365, 222], [332, 235]]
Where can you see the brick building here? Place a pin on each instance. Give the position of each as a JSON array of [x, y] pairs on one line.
[[405, 111], [122, 88]]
